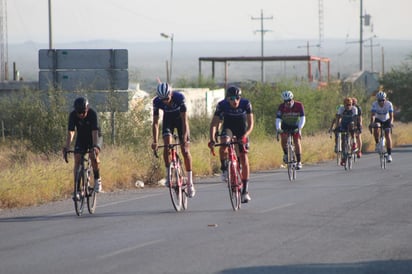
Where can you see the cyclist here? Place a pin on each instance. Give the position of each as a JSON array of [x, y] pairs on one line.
[[347, 118], [333, 127], [382, 114], [358, 130], [290, 116], [173, 105], [237, 115], [85, 120]]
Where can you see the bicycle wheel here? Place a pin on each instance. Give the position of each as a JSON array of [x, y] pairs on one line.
[[234, 183], [175, 188], [183, 180], [90, 193], [339, 149], [291, 162], [79, 192]]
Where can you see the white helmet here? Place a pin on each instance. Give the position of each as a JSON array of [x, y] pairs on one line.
[[163, 90], [287, 95], [381, 95]]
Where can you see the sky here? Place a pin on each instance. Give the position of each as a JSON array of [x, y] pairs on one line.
[[195, 20]]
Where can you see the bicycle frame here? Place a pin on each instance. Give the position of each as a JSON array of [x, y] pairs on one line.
[[234, 178], [177, 178], [383, 155], [291, 153], [82, 188], [347, 152]]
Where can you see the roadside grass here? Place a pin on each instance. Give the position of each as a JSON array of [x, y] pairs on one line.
[[27, 179]]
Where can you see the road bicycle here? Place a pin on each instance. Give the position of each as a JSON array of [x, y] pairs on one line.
[[347, 153], [383, 154], [83, 190], [291, 154], [233, 174], [177, 180]]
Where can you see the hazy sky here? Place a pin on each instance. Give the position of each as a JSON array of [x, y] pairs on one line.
[[195, 20]]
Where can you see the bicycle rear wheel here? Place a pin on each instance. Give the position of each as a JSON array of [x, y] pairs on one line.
[[175, 188], [234, 183], [91, 194], [79, 192]]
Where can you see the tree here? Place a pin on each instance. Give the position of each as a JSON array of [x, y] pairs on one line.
[[398, 84]]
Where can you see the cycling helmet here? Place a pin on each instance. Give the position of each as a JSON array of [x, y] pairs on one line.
[[347, 101], [163, 90], [287, 95], [381, 95], [233, 91], [81, 104]]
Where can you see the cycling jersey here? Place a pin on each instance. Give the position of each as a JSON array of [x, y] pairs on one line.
[[347, 116], [290, 116], [171, 113], [234, 118], [85, 126], [382, 113]]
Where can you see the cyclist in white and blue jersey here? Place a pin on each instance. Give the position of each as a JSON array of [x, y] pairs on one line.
[[382, 115]]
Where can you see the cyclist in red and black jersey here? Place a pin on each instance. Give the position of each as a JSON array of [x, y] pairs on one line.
[[173, 105], [237, 116], [291, 117]]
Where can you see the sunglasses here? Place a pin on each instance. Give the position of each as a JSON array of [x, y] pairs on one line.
[[81, 112], [348, 105], [381, 100], [165, 99], [287, 101], [233, 98]]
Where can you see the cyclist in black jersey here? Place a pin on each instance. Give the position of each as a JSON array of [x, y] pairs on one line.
[[173, 105], [236, 115], [85, 120]]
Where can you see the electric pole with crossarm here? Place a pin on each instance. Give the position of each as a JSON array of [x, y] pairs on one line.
[[262, 33]]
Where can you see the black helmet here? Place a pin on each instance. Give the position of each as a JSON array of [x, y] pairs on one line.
[[80, 104], [233, 91]]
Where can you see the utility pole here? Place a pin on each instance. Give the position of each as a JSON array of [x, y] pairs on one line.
[[262, 33], [3, 41]]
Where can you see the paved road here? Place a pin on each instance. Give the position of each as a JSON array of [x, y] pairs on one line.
[[328, 221]]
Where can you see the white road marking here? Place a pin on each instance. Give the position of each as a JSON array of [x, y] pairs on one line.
[[128, 249]]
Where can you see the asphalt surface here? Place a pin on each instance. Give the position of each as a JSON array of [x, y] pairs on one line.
[[328, 221]]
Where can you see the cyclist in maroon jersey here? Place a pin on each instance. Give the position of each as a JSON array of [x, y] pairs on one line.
[[290, 117]]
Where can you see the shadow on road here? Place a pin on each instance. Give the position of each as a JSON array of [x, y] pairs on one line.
[[375, 267]]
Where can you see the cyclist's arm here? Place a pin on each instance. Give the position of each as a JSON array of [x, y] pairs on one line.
[[250, 124], [214, 127], [185, 126], [69, 139], [95, 137], [155, 128]]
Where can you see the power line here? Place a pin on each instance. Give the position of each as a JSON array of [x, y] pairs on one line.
[[262, 33]]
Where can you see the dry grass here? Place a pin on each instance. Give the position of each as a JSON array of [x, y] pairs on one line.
[[28, 179]]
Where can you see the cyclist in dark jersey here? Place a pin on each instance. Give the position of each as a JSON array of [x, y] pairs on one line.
[[347, 119], [236, 113], [85, 120], [173, 105]]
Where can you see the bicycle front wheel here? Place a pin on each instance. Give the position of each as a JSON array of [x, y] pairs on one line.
[[91, 194], [183, 179], [234, 184], [79, 192], [175, 188]]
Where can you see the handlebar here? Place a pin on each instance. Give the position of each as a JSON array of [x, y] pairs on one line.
[[169, 146]]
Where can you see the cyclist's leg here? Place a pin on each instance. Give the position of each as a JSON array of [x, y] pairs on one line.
[[225, 137], [386, 125], [298, 147]]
